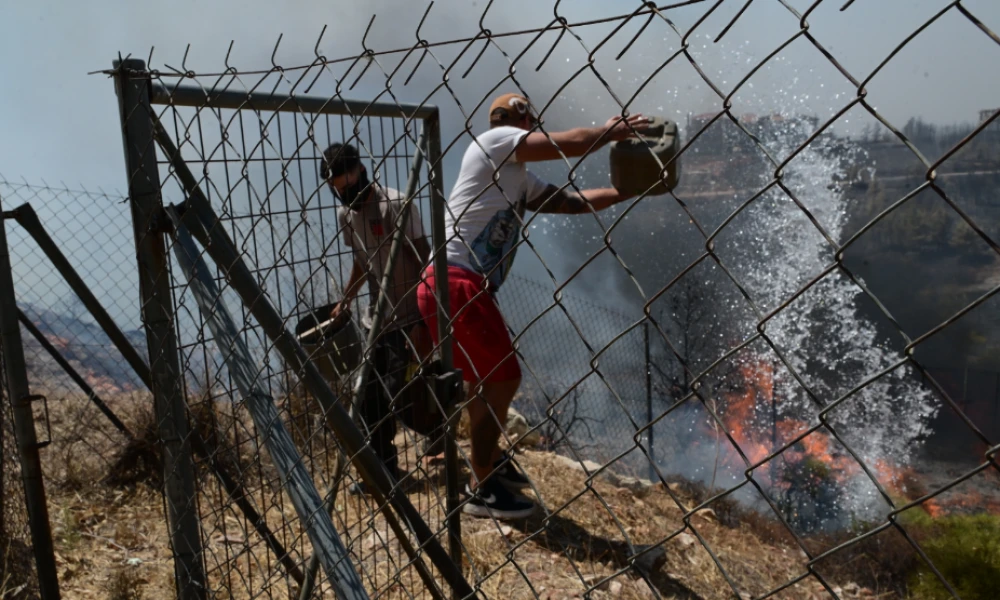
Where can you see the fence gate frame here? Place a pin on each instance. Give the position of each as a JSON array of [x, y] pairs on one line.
[[22, 410], [158, 319], [137, 92]]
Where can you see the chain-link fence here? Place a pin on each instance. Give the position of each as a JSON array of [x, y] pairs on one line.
[[72, 361], [88, 447], [74, 285], [597, 421], [70, 343], [728, 389]]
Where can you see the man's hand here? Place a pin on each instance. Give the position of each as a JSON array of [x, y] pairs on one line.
[[339, 312], [620, 129]]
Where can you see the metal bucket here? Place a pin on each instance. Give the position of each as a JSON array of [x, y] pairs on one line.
[[334, 347], [634, 167]]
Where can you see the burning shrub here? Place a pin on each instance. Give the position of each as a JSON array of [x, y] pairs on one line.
[[808, 493], [966, 551]]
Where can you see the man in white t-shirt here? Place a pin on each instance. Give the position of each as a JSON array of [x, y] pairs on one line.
[[484, 220]]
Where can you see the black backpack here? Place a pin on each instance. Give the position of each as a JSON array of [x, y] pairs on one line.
[[421, 402]]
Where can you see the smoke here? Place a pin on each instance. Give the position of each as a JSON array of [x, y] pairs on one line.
[[772, 248], [827, 368]]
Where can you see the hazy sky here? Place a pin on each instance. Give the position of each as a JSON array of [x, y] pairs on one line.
[[61, 124]]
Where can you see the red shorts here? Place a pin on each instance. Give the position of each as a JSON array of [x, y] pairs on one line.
[[480, 341]]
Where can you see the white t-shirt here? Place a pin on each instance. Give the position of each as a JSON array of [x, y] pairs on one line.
[[484, 217]]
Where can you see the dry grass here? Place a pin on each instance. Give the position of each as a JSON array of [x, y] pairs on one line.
[[125, 584], [588, 534], [112, 542], [15, 567]]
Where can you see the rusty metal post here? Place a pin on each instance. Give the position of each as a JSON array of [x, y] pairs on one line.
[[132, 84], [649, 400]]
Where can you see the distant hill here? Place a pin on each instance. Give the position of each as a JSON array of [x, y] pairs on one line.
[[85, 346]]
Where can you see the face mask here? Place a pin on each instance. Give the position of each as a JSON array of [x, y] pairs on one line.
[[353, 193]]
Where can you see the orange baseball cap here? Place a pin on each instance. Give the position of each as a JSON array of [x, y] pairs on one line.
[[510, 105]]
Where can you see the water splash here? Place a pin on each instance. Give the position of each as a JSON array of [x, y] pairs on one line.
[[821, 336]]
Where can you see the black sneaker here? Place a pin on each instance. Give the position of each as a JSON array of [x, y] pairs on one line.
[[492, 499], [507, 473]]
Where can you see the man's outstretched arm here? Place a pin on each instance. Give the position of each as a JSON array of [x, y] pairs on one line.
[[568, 201], [537, 146]]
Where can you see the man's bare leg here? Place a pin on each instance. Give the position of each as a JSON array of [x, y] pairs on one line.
[[485, 425]]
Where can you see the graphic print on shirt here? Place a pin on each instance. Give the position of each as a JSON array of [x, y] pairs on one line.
[[376, 227], [496, 242]]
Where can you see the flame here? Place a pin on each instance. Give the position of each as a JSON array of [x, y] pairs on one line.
[[816, 446], [758, 437], [746, 418], [964, 502], [740, 412], [894, 479], [933, 508], [905, 484]]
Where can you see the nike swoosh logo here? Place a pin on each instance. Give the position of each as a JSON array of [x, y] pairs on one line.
[[488, 499]]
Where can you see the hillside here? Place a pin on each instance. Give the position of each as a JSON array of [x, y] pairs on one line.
[[111, 536], [111, 540], [84, 345]]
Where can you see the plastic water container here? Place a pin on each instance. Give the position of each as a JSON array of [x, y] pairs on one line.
[[634, 166], [334, 347]]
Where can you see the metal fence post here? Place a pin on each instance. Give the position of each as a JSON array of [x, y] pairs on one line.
[[3, 447], [439, 239], [649, 401], [149, 221], [24, 429]]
